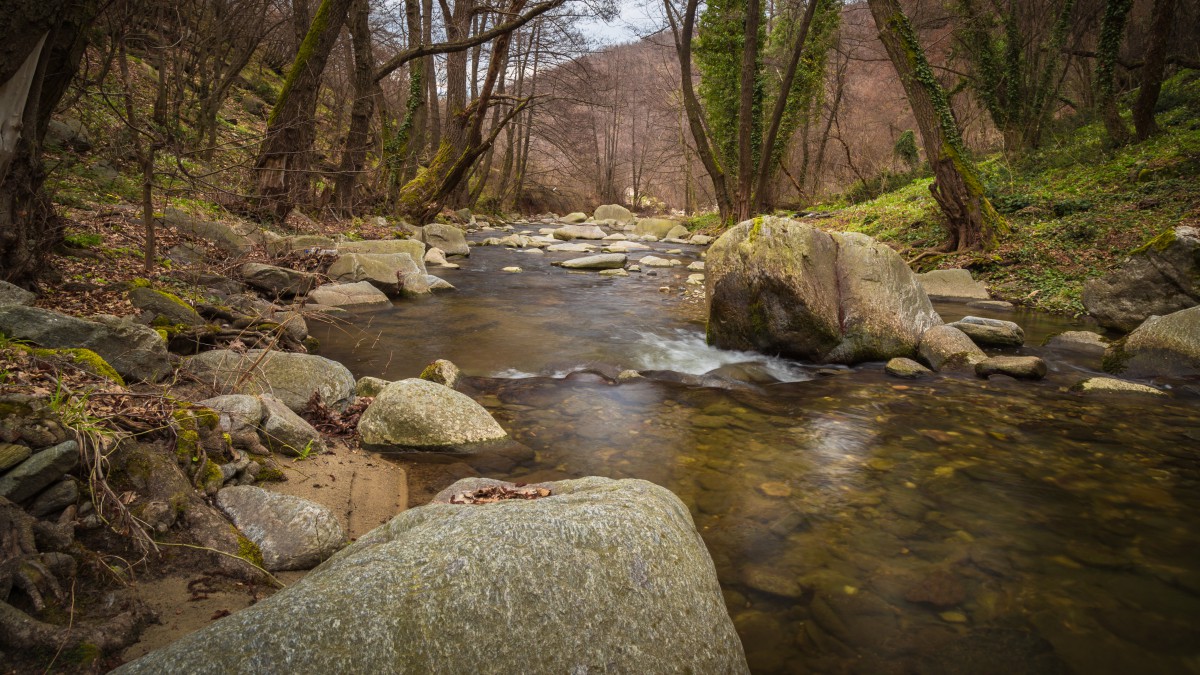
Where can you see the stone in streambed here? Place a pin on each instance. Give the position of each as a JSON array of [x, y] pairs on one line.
[[603, 576], [292, 533], [446, 237], [1082, 342], [392, 273], [442, 372], [360, 294], [1109, 385], [369, 386], [1020, 367], [616, 212], [570, 232], [1163, 346], [1160, 278], [411, 247], [991, 332], [948, 348], [906, 368], [416, 413], [604, 261]]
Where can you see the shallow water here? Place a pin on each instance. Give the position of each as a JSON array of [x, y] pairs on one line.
[[858, 523]]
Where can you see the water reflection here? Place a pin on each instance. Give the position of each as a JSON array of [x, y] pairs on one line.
[[858, 524]]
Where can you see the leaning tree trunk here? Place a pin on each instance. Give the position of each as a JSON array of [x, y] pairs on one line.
[[1161, 20], [38, 57], [283, 159], [1112, 32], [973, 223]]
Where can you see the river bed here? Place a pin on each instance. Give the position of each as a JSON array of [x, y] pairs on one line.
[[858, 523]]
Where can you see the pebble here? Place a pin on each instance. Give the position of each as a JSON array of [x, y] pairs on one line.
[[512, 269], [775, 489]]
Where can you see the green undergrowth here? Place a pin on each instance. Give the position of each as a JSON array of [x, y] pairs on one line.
[[1078, 206]]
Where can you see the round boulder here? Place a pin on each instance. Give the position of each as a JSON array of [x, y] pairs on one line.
[[294, 378], [416, 413], [780, 286], [292, 533]]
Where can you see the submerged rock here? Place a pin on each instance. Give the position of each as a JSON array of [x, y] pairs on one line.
[[292, 533], [603, 576], [906, 368], [417, 413], [781, 286], [1160, 278], [1110, 385], [1020, 367], [1081, 342]]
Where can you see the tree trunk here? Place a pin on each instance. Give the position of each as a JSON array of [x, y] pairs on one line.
[[38, 58], [973, 223], [747, 117], [1161, 20], [1112, 32], [354, 153], [283, 159]]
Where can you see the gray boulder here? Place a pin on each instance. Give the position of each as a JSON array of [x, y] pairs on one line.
[[571, 232], [655, 261], [1160, 278], [655, 227], [781, 286], [620, 583], [571, 248], [616, 212], [412, 247], [369, 386], [15, 295], [1020, 367], [225, 236], [604, 261], [954, 284], [41, 470], [159, 304], [625, 247], [677, 234], [292, 533], [1109, 385], [446, 237], [700, 240], [132, 349], [55, 498], [284, 431], [442, 372], [392, 273], [991, 332], [277, 281], [239, 413], [1082, 342], [905, 368], [1163, 346], [294, 378], [947, 348], [435, 256], [436, 283], [417, 413], [573, 217], [361, 294]]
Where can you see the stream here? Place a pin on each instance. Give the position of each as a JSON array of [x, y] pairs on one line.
[[858, 523]]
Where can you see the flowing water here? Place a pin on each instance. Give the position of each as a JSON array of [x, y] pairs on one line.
[[858, 523]]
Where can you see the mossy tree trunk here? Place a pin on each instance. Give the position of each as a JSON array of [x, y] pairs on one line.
[[1162, 17], [38, 58], [1112, 33], [973, 222], [283, 158], [354, 151]]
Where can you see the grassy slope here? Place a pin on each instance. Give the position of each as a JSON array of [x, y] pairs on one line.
[[1076, 206]]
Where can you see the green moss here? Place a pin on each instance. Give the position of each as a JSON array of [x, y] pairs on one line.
[[312, 344], [174, 298], [84, 358], [85, 654], [140, 283], [303, 54], [1160, 243], [211, 479], [1115, 358], [755, 229], [248, 550]]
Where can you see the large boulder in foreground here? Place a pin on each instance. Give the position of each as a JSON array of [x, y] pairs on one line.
[[1159, 278], [780, 286], [293, 378], [420, 414], [132, 349], [1163, 346], [603, 576]]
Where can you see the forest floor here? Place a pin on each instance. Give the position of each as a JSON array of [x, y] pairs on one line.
[[1076, 206]]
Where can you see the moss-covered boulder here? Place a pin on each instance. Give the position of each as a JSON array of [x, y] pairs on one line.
[[781, 286], [393, 273], [1163, 346], [294, 378], [420, 414], [157, 304], [132, 349], [602, 576], [446, 237], [1161, 277]]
